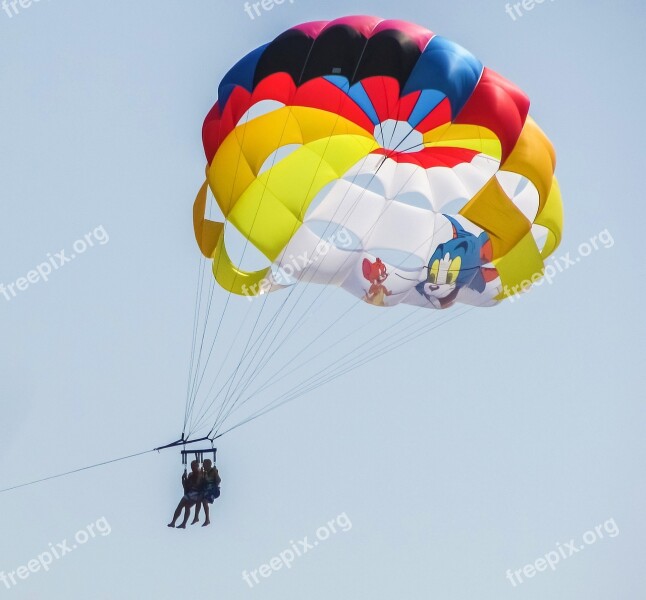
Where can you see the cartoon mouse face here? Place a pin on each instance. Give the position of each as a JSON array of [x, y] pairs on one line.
[[374, 272]]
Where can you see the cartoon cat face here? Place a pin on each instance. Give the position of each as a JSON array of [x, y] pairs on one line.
[[444, 270], [456, 264], [442, 278]]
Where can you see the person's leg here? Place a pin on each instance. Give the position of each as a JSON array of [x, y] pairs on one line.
[[196, 519], [178, 510], [207, 520], [187, 513]]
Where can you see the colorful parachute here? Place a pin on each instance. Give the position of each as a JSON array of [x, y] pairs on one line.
[[379, 157]]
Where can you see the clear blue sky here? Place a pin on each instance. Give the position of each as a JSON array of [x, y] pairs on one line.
[[469, 451]]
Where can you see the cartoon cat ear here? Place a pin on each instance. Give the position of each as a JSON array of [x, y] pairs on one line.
[[367, 268], [486, 251], [457, 228], [489, 274]]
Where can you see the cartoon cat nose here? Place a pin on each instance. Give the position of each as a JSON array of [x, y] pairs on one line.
[[433, 287]]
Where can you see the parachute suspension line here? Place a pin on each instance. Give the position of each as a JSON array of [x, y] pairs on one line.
[[311, 359], [257, 344], [383, 349], [228, 395], [198, 295], [320, 162], [409, 254], [366, 343], [269, 326], [368, 356], [278, 343], [306, 314], [272, 380], [286, 398], [307, 310], [215, 379], [341, 365], [383, 85], [261, 365], [248, 311], [220, 417], [196, 424], [274, 319], [267, 384], [196, 321], [206, 409], [244, 352], [345, 99], [246, 245], [199, 356], [396, 148], [259, 341], [469, 76], [191, 401], [196, 388], [192, 395]]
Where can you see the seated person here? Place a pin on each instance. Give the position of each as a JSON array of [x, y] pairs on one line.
[[192, 494], [210, 491]]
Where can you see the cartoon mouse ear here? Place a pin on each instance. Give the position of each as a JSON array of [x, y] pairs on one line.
[[367, 268]]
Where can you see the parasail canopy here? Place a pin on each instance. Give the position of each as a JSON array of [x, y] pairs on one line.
[[370, 155], [389, 158]]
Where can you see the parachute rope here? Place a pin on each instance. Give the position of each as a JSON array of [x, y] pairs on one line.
[[59, 475], [227, 396], [296, 392], [309, 309], [196, 318], [196, 388], [353, 355]]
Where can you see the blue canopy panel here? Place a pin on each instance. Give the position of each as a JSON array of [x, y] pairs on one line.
[[449, 68], [242, 74]]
